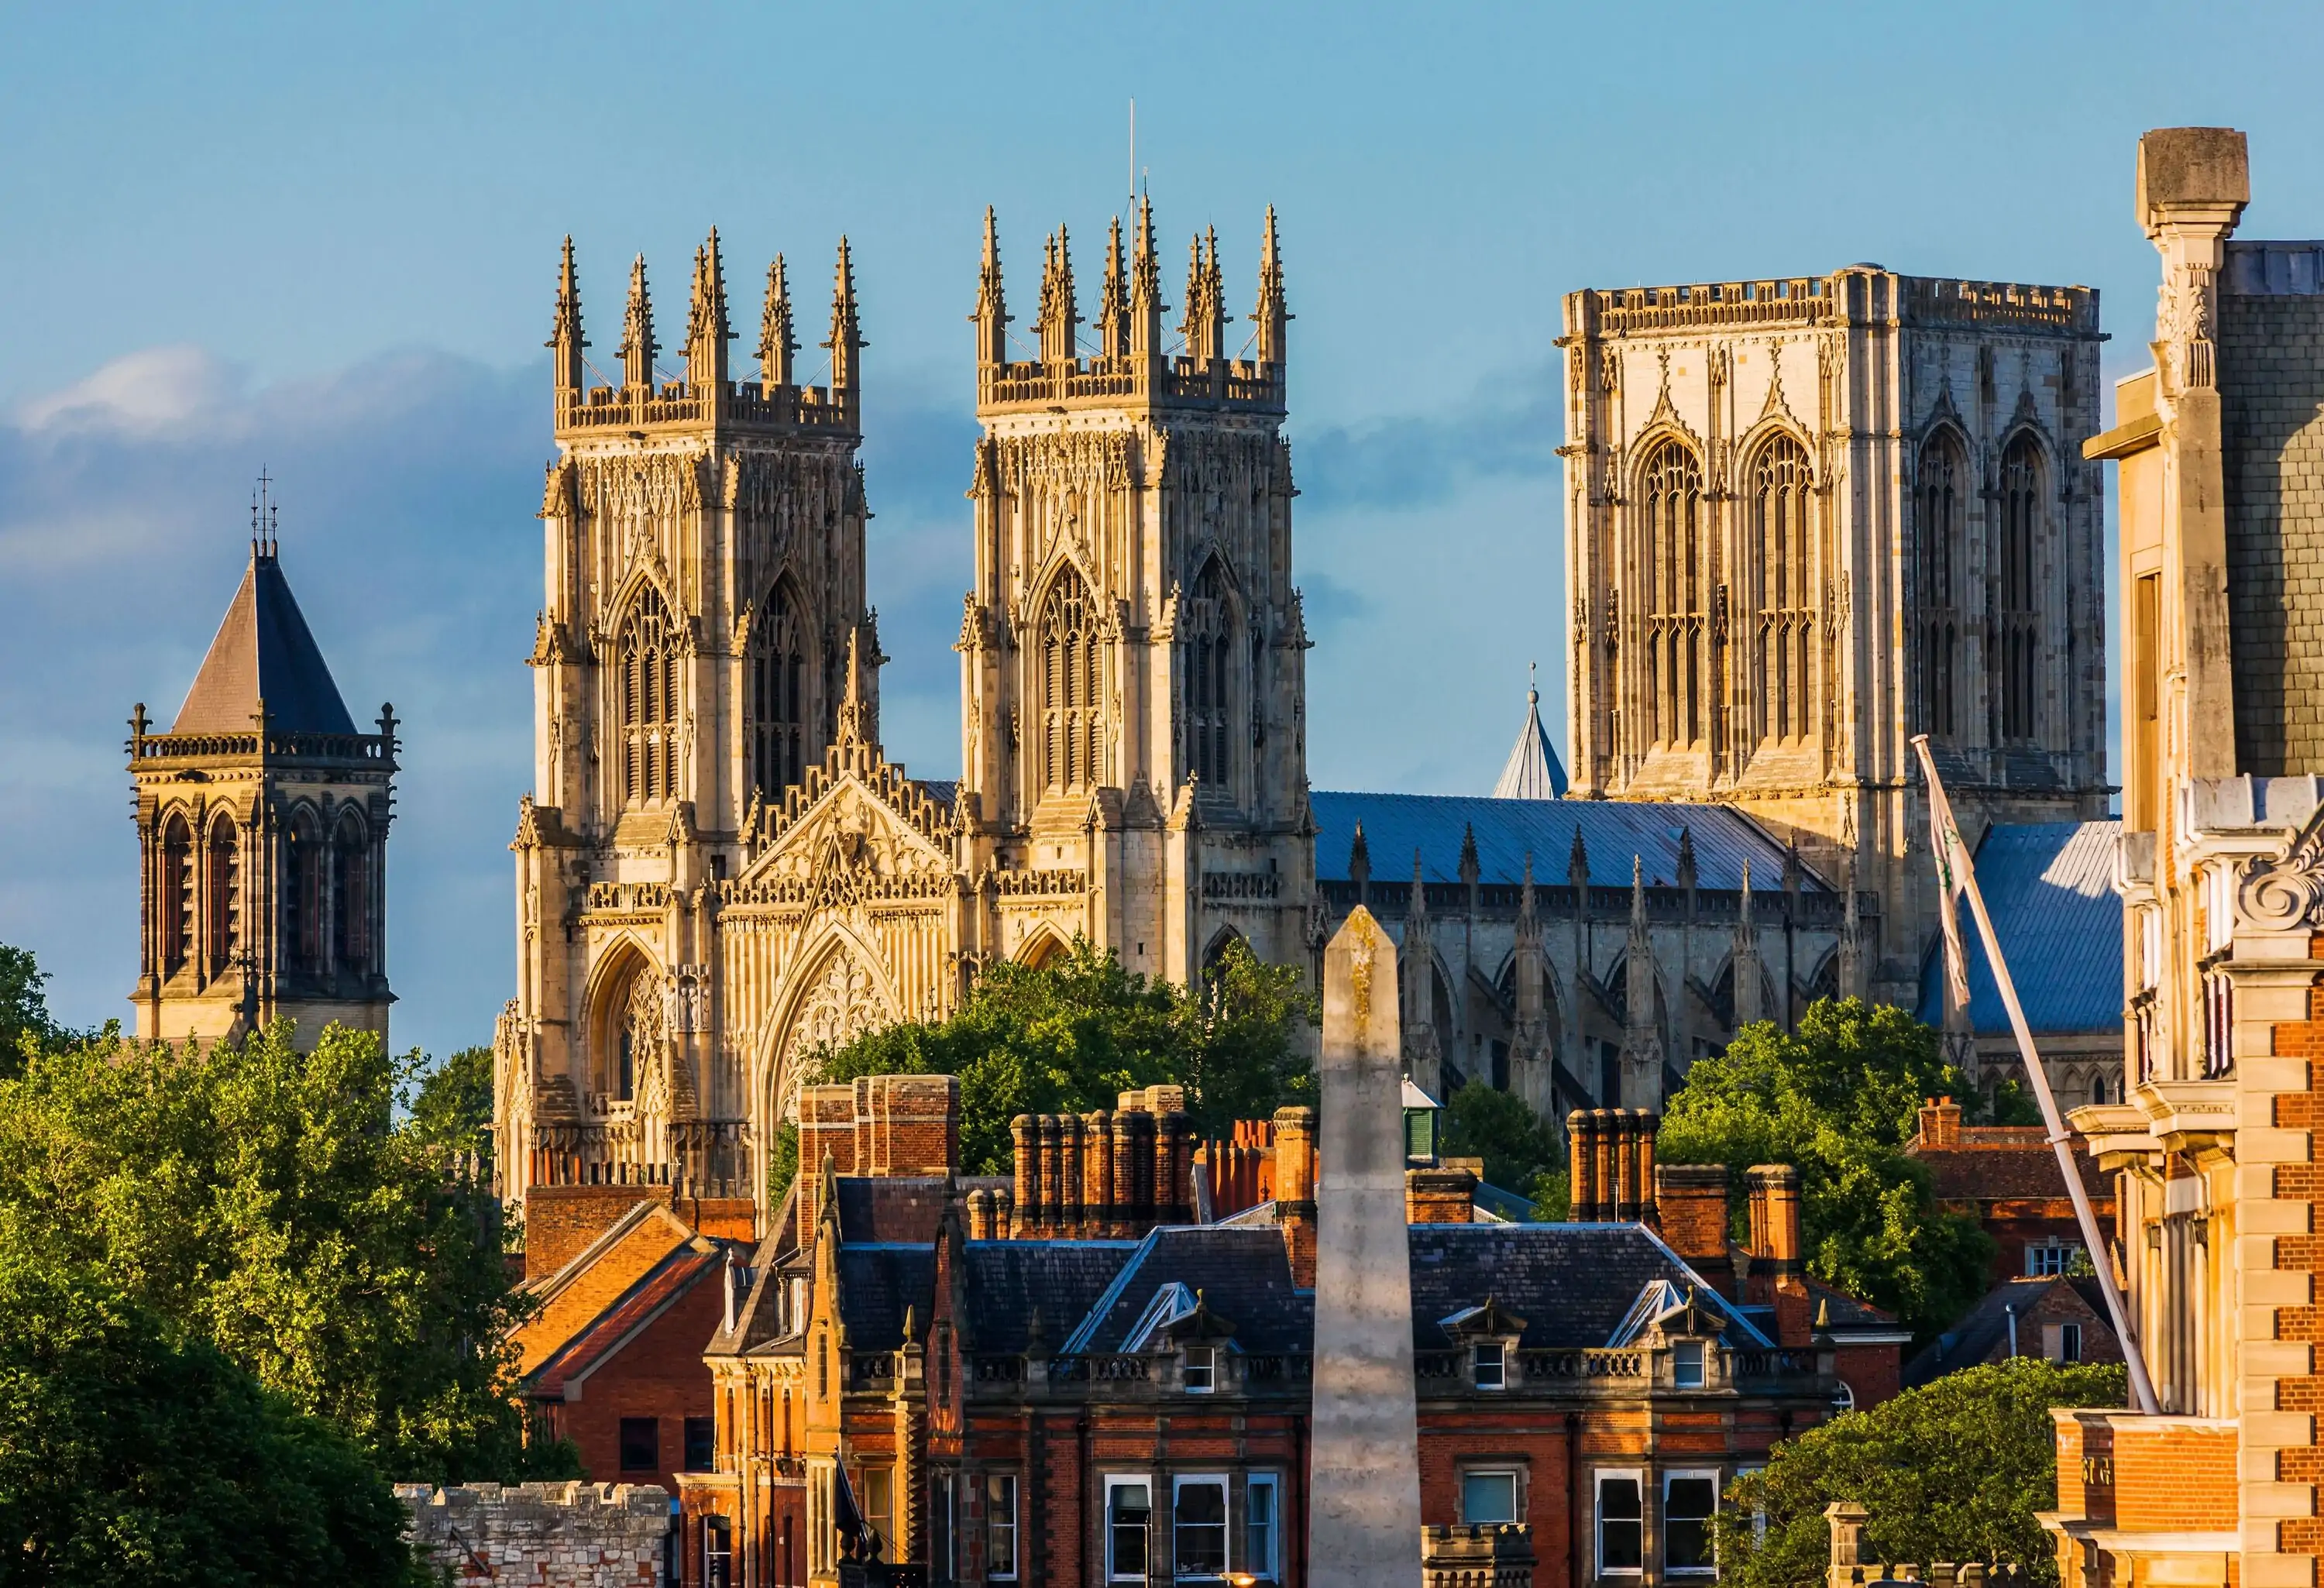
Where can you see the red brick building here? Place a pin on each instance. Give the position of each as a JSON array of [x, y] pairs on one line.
[[2005, 1177], [1060, 1380]]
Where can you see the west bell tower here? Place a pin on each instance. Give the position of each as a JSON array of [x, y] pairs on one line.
[[261, 829], [1132, 655]]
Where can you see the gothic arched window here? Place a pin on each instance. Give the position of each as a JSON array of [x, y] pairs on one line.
[[648, 667], [302, 895], [1670, 488], [222, 892], [778, 674], [2020, 618], [629, 1030], [351, 894], [175, 914], [1209, 626], [1939, 514], [1071, 672], [1786, 575]]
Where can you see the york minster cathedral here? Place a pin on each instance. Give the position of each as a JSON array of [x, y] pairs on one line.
[[1806, 520]]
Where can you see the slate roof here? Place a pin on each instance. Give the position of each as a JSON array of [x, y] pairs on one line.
[[1986, 1329], [1008, 1281], [1572, 1284], [264, 651], [1396, 824], [877, 1284], [2020, 1168], [901, 1208], [1242, 1272], [2049, 887], [1532, 771]]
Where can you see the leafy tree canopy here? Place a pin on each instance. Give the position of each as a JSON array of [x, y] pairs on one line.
[[1952, 1470], [452, 1104], [1070, 1035], [267, 1201], [1841, 1100], [134, 1454], [23, 1008], [1520, 1148]]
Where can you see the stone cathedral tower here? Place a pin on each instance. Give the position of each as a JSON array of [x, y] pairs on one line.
[[261, 827], [1133, 655], [1810, 518]]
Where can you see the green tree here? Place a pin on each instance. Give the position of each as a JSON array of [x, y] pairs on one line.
[[131, 1455], [265, 1199], [23, 1008], [452, 1102], [1071, 1034], [1952, 1470], [1841, 1100], [1519, 1148]]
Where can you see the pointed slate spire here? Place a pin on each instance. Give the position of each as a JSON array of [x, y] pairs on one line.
[[1113, 298], [991, 315], [846, 344], [1272, 314], [264, 657], [776, 344], [706, 328], [1532, 772], [564, 340], [638, 348]]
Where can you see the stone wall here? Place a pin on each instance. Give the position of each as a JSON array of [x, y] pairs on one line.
[[542, 1535]]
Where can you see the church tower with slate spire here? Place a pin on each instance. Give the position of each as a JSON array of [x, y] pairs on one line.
[[261, 827]]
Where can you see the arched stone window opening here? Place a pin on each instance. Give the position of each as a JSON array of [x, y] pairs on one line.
[[778, 674], [176, 905], [1671, 491], [1939, 531], [1071, 673], [629, 1031], [222, 891], [648, 679], [303, 861], [1786, 575], [1209, 627], [351, 898], [2019, 604]]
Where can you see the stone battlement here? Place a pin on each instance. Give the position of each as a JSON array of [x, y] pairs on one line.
[[549, 1535], [1817, 300]]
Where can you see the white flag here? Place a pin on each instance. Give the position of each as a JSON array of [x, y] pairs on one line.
[[1945, 839]]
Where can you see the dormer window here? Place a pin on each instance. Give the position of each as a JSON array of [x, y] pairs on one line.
[[1493, 1364], [1201, 1372], [1688, 1364]]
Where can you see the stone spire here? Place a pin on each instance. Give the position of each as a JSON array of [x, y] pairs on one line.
[[1423, 1056], [637, 331], [991, 315], [707, 329], [1532, 772], [1205, 325], [846, 342], [775, 342], [1577, 868], [1113, 300], [1642, 1042], [1272, 315], [1146, 305], [566, 340], [1059, 315], [1750, 984], [1851, 942], [1360, 865], [1529, 1037], [859, 704]]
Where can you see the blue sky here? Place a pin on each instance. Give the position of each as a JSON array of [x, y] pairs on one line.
[[322, 238]]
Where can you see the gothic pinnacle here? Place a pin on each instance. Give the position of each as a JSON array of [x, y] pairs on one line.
[[991, 317], [776, 344], [707, 331], [566, 337], [1113, 298], [637, 347], [1272, 314], [846, 336]]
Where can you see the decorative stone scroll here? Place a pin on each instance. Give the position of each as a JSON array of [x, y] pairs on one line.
[[2283, 895]]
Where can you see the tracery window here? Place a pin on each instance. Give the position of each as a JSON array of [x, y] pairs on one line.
[[351, 894], [648, 677], [2019, 625], [222, 893], [1786, 575], [630, 1032], [1071, 672], [1940, 512], [778, 673], [1209, 623], [1671, 492], [302, 895], [175, 914]]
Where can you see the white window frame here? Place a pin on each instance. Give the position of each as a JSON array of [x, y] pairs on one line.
[[1008, 1527], [1264, 1564], [1711, 1537], [1180, 1481], [1113, 1482], [1204, 1359], [1512, 1471], [1599, 1478], [1701, 1368], [1499, 1366]]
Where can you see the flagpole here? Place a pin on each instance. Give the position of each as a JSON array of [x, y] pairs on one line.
[[2142, 1388]]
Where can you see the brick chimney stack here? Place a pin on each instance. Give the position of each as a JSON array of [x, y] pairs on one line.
[[1690, 1200], [1294, 1190], [879, 1127], [1941, 1122], [1085, 1176], [1612, 1159], [1778, 1273]]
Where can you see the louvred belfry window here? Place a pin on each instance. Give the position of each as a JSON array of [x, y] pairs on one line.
[[1071, 664], [222, 890], [351, 898], [302, 895], [1940, 513], [2019, 640], [1670, 494], [174, 910], [1786, 571], [649, 683], [777, 676], [1208, 647]]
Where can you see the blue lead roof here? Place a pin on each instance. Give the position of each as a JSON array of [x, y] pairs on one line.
[[1395, 825], [2049, 887]]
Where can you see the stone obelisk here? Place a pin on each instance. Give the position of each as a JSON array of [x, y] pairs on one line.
[[1363, 1525]]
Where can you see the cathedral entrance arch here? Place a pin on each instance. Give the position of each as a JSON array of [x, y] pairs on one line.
[[844, 993]]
